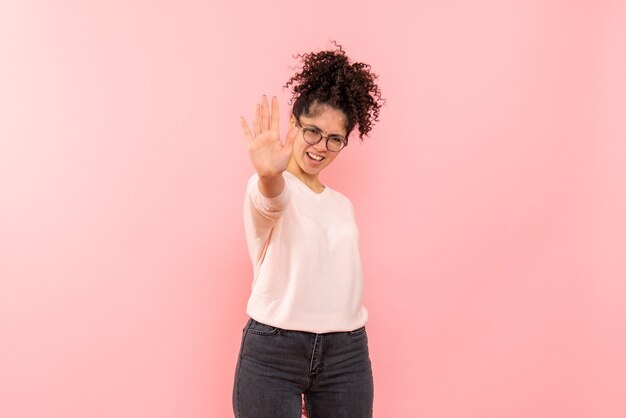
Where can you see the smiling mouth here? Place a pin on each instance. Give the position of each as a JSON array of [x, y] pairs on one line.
[[317, 158]]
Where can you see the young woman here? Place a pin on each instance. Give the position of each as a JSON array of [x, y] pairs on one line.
[[306, 333]]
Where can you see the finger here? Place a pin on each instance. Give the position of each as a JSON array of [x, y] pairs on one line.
[[275, 114], [265, 114], [256, 124], [246, 130]]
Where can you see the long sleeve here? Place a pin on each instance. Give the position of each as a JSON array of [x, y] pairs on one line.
[[260, 215]]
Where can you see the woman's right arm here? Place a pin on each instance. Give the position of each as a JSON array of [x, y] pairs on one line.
[[260, 215]]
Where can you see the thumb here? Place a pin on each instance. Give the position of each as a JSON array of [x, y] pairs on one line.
[[291, 136]]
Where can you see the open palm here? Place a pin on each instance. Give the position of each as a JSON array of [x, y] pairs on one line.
[[268, 154]]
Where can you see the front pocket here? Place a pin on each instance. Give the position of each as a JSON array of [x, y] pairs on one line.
[[261, 329], [357, 331]]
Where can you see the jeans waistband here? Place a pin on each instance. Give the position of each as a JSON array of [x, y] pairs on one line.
[[253, 321]]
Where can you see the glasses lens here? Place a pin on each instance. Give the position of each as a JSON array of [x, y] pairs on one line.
[[312, 137], [335, 144]]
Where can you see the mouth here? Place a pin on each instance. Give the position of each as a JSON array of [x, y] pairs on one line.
[[314, 159]]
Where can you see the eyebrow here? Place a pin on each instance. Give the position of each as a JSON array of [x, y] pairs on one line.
[[310, 125]]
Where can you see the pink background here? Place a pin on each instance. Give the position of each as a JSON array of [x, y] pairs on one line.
[[490, 198]]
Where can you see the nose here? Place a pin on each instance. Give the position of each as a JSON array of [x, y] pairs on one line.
[[321, 146]]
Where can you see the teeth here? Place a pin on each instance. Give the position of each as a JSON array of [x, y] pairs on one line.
[[315, 157]]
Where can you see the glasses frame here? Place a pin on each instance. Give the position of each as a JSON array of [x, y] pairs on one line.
[[321, 135]]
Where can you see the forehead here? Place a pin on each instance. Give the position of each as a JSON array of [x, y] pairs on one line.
[[332, 121]]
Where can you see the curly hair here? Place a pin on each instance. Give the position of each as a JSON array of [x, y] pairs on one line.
[[327, 78]]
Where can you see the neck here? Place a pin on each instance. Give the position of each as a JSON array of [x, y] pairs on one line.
[[312, 181]]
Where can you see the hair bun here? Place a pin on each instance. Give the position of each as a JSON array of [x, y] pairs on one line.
[[328, 78]]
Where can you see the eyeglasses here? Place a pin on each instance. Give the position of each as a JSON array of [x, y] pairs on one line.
[[312, 136]]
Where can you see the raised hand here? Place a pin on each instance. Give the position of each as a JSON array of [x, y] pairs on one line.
[[268, 154]]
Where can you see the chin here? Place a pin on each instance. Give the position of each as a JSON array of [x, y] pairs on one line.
[[310, 170], [313, 171]]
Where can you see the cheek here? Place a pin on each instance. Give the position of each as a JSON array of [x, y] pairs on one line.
[[299, 148], [331, 159]]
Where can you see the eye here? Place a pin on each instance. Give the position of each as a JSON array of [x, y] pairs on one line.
[[336, 140], [315, 131]]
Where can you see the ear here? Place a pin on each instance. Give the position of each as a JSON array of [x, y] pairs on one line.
[[292, 120]]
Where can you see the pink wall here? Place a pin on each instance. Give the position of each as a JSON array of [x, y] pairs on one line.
[[490, 200]]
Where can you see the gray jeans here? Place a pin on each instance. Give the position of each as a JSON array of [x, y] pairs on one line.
[[276, 366]]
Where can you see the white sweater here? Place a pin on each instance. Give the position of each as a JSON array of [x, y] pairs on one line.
[[304, 248]]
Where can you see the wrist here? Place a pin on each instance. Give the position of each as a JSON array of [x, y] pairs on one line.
[[270, 176]]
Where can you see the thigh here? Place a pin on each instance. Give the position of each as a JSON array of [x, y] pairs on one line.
[[265, 384], [345, 385]]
